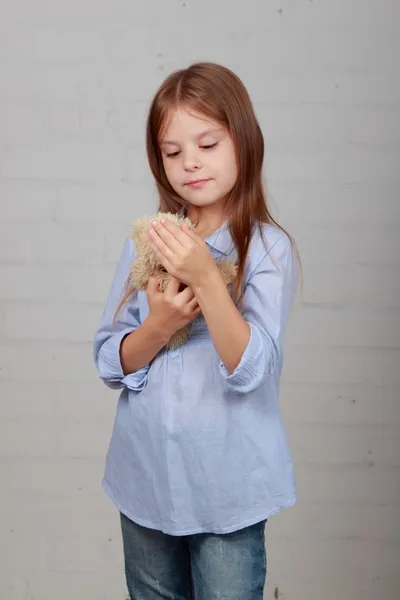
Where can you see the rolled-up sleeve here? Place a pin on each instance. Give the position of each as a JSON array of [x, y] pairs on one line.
[[109, 335], [268, 297]]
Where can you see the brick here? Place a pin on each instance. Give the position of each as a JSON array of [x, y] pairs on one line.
[[78, 13], [27, 201], [137, 169], [51, 477], [321, 247], [46, 362], [361, 17], [349, 166], [321, 287], [341, 444], [327, 522], [352, 326], [48, 516], [71, 553], [14, 245], [55, 44], [83, 438], [351, 208], [348, 484], [84, 85], [369, 366], [13, 585], [78, 284], [293, 584], [33, 122], [29, 553], [44, 84], [340, 403], [55, 321], [51, 242], [113, 204], [63, 162], [18, 402], [366, 88], [357, 561], [63, 400], [102, 584], [342, 89], [20, 120], [26, 437], [311, 126], [127, 120], [33, 437], [320, 52]]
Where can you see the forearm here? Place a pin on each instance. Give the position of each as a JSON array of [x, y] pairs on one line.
[[229, 331], [140, 347]]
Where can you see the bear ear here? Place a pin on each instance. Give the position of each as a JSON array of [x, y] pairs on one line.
[[142, 224], [139, 226]]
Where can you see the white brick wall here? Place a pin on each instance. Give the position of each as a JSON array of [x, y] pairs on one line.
[[76, 78]]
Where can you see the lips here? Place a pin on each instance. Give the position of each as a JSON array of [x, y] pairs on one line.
[[197, 183]]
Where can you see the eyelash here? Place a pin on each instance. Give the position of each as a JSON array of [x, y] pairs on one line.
[[208, 147]]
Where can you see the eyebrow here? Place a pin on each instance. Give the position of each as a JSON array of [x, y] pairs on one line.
[[202, 134]]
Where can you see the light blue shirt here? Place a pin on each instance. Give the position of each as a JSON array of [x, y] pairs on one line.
[[195, 449]]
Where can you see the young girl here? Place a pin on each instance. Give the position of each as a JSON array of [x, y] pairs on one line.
[[198, 459]]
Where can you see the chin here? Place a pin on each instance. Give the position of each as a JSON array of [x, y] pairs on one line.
[[202, 202]]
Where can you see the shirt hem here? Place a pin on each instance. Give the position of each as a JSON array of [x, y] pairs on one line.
[[291, 501]]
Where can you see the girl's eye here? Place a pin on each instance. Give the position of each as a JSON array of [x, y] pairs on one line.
[[209, 146]]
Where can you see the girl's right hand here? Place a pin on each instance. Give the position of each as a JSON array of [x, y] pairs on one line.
[[171, 310]]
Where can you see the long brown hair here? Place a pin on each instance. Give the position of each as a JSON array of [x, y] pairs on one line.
[[217, 93]]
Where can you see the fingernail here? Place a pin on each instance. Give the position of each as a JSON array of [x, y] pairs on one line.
[[151, 231], [163, 221], [154, 223]]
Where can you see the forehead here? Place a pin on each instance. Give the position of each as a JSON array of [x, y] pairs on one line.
[[181, 123]]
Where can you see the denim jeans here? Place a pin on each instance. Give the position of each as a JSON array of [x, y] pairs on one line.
[[206, 566]]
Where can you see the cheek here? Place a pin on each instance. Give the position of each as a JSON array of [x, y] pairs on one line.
[[227, 164], [230, 169], [170, 171]]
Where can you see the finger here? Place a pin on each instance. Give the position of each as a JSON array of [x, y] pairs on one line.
[[173, 287], [186, 295], [168, 234], [190, 232], [166, 263], [178, 233], [152, 286], [196, 313], [194, 305], [161, 246]]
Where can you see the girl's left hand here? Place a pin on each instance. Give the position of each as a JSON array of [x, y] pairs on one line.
[[182, 252]]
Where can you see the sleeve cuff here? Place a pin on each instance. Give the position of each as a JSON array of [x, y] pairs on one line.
[[253, 366], [110, 368]]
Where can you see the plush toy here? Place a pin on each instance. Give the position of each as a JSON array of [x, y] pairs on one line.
[[146, 264]]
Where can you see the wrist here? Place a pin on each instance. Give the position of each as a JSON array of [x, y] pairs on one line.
[[208, 282], [157, 330]]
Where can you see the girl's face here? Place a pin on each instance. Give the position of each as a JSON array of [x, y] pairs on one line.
[[199, 158]]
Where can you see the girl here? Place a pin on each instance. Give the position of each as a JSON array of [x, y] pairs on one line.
[[198, 459]]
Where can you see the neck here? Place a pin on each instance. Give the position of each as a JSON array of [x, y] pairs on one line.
[[207, 219]]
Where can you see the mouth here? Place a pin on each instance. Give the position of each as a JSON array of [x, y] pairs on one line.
[[197, 183]]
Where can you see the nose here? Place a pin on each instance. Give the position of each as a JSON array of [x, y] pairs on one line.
[[191, 160]]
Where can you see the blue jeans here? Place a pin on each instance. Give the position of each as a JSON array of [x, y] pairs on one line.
[[201, 566]]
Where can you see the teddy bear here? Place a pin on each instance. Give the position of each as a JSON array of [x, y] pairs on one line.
[[146, 264]]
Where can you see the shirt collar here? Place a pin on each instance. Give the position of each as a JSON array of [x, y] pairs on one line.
[[221, 239]]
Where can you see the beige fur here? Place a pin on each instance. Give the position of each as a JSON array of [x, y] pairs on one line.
[[146, 263]]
